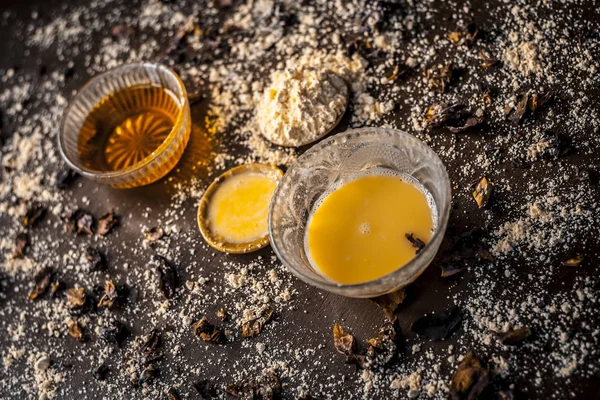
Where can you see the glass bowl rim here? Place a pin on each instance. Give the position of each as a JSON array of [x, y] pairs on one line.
[[443, 215], [90, 173]]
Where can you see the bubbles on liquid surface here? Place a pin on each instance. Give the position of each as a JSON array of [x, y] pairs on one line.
[[364, 228]]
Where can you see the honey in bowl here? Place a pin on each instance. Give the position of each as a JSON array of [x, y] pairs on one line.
[[126, 127], [357, 230]]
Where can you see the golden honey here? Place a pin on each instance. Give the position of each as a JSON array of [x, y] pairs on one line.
[[357, 232], [126, 127]]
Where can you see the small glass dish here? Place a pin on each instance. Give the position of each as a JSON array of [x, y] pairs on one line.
[[335, 159], [159, 162], [212, 238]]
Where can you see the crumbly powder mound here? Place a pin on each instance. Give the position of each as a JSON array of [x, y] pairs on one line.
[[523, 57], [301, 105]]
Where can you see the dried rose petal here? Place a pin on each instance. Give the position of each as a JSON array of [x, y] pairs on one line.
[[76, 297], [253, 326], [470, 378], [482, 192], [343, 342], [42, 282], [107, 223], [34, 215], [110, 296], [513, 336], [207, 331], [574, 261], [21, 244], [167, 275], [153, 234], [75, 330], [390, 302]]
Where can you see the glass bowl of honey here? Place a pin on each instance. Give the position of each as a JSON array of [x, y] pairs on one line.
[[127, 127], [362, 213]]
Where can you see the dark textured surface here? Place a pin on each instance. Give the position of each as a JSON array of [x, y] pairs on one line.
[[316, 311]]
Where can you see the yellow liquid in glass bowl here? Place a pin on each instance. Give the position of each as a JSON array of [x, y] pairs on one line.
[[357, 232]]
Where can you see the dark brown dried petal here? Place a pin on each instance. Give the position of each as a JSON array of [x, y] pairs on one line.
[[100, 373], [438, 115], [202, 326], [34, 215], [144, 356], [217, 336], [21, 244], [470, 378], [153, 234], [65, 177], [417, 243], [399, 72], [574, 261], [390, 302], [81, 221], [222, 314], [149, 350], [174, 394], [538, 100], [75, 330], [267, 386], [437, 326], [76, 297], [146, 375], [454, 37], [239, 389], [439, 77], [85, 224], [110, 296], [55, 287], [107, 223], [253, 326], [451, 270], [468, 123], [42, 282], [516, 113], [486, 98], [96, 259], [207, 331], [487, 61], [466, 36], [167, 277], [205, 389], [114, 332], [343, 342], [383, 349], [482, 192], [556, 145], [513, 336]]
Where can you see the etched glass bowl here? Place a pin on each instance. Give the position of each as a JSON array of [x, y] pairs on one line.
[[160, 161], [330, 162]]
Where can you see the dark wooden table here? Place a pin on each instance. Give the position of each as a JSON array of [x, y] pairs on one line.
[[306, 322]]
